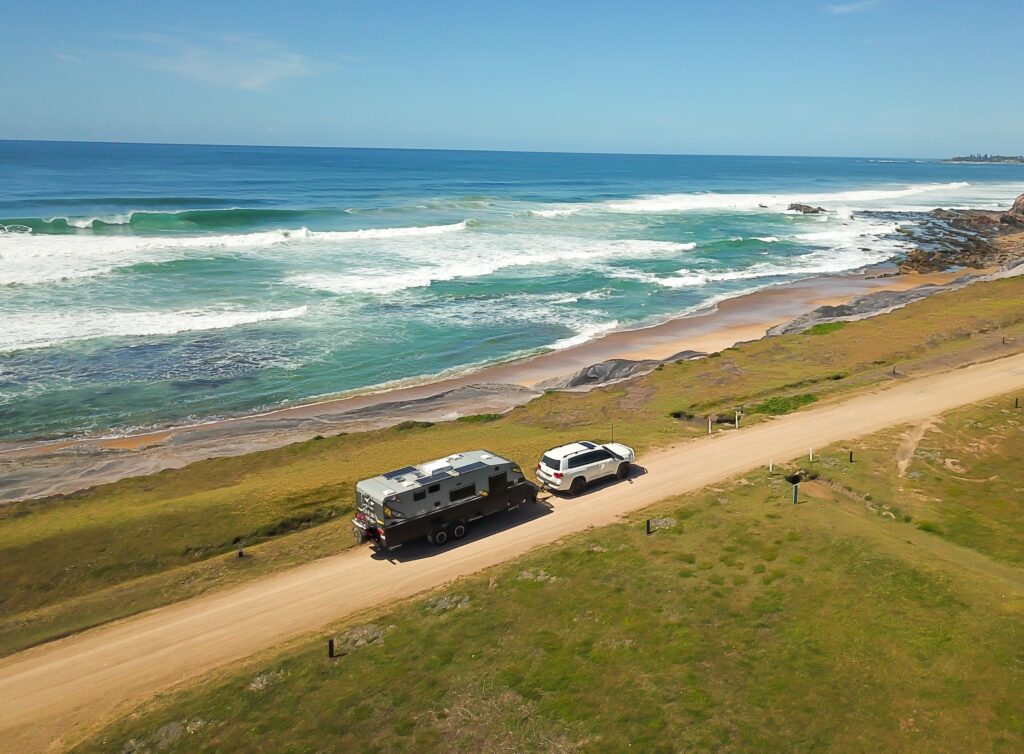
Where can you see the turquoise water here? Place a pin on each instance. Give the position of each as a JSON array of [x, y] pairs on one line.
[[142, 285]]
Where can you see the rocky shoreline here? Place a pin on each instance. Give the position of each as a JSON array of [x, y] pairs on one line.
[[977, 239]]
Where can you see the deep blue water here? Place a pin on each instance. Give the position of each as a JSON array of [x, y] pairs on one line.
[[151, 284]]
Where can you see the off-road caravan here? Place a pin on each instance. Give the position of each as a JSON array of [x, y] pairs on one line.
[[437, 499]]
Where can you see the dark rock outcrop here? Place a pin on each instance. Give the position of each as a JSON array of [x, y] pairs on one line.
[[1015, 217], [880, 302], [612, 370], [807, 209], [946, 238]]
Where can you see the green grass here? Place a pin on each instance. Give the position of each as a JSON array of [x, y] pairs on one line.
[[139, 543], [959, 482], [784, 404], [825, 328], [750, 625]]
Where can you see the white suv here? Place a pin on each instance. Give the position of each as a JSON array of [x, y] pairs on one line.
[[569, 468]]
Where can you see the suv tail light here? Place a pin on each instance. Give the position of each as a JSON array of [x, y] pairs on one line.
[[558, 475]]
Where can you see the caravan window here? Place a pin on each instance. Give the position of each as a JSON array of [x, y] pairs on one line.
[[419, 494], [462, 493], [434, 488]]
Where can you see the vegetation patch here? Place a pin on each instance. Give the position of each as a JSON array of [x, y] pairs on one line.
[[479, 418], [784, 404], [407, 425], [824, 328]]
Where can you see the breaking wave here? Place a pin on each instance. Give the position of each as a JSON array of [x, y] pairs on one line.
[[485, 256], [31, 259], [767, 202], [44, 329], [556, 212]]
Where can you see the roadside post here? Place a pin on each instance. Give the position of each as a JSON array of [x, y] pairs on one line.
[[851, 456], [330, 649], [796, 492]]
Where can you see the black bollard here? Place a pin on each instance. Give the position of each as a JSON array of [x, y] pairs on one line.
[[851, 456], [648, 527], [330, 648], [796, 492]]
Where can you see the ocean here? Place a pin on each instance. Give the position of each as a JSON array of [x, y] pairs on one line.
[[147, 285]]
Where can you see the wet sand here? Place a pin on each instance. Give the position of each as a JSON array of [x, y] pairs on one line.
[[35, 469]]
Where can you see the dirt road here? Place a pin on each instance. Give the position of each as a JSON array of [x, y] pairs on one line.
[[56, 693]]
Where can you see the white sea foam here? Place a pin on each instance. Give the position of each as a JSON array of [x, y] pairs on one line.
[[584, 334], [767, 239], [29, 259], [768, 202], [87, 222], [556, 212], [419, 267], [42, 329]]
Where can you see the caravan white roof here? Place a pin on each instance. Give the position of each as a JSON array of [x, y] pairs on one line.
[[409, 477]]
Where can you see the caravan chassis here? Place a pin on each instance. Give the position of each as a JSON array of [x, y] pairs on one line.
[[446, 523]]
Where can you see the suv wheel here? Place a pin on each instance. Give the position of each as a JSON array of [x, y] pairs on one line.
[[623, 471], [577, 486]]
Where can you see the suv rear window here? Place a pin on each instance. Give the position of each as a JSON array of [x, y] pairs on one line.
[[551, 463]]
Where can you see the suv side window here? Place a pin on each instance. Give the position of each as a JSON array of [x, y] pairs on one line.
[[599, 455], [576, 461]]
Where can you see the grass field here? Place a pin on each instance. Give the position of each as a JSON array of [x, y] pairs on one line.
[[70, 562], [746, 624]]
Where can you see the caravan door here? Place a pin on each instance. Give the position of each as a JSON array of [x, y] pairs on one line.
[[497, 487]]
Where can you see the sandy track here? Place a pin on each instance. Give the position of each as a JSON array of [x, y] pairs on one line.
[[55, 693]]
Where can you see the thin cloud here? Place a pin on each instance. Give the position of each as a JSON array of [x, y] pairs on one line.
[[240, 61], [846, 8]]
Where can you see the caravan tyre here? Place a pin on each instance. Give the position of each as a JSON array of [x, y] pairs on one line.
[[459, 530], [360, 534], [440, 537]]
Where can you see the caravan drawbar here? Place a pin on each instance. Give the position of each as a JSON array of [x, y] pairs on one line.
[[438, 499]]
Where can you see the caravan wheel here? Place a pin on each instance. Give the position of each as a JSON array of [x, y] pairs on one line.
[[440, 537], [459, 530]]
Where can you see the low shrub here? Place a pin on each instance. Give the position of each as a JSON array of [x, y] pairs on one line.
[[784, 404], [479, 418]]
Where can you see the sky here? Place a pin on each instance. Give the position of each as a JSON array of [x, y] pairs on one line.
[[896, 78]]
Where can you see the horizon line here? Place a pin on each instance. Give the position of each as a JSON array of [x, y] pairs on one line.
[[465, 149]]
